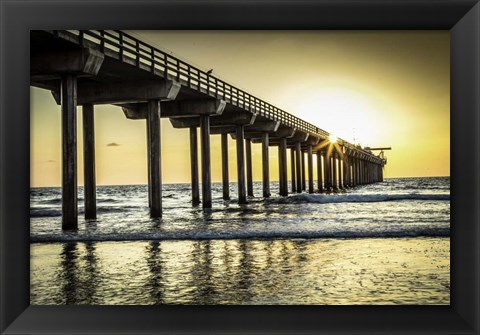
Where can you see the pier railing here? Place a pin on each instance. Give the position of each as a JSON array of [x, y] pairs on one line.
[[126, 48]]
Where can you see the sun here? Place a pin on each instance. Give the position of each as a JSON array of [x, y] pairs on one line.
[[350, 114], [332, 138]]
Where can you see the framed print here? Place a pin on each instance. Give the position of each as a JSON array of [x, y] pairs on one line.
[[180, 242]]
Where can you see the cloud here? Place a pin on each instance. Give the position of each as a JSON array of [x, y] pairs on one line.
[[113, 144]]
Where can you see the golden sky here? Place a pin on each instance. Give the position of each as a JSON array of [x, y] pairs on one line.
[[375, 88]]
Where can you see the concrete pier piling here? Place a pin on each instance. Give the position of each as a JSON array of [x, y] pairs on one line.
[[304, 184], [282, 159], [319, 171], [340, 173], [69, 152], [194, 166], [298, 166], [292, 169], [265, 165], [239, 132], [310, 168], [155, 175], [346, 171], [334, 170], [248, 153], [364, 173], [328, 171], [369, 172], [352, 171], [225, 179], [149, 190], [359, 172], [205, 150], [90, 197]]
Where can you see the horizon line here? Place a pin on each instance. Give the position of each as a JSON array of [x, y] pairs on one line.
[[219, 182]]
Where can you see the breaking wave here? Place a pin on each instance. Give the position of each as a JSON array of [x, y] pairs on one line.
[[239, 235], [331, 198]]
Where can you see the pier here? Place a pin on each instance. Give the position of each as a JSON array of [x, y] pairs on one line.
[[92, 67]]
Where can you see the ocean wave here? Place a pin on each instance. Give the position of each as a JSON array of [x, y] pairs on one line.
[[54, 201], [109, 200], [44, 212], [55, 212], [171, 195], [251, 235], [327, 199]]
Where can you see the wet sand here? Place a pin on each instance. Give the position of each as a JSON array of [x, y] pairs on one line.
[[365, 271]]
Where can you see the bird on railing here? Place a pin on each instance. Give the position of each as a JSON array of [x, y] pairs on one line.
[[209, 72]]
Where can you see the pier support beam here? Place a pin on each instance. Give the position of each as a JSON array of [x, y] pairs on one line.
[[194, 166], [346, 171], [354, 172], [248, 152], [205, 150], [351, 170], [327, 162], [69, 152], [149, 189], [362, 171], [359, 171], [225, 179], [340, 173], [89, 187], [292, 165], [310, 169], [298, 164], [265, 166], [154, 157], [369, 172], [364, 174], [282, 159], [334, 169], [319, 171], [304, 185], [239, 132]]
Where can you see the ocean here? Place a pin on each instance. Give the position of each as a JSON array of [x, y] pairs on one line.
[[384, 243]]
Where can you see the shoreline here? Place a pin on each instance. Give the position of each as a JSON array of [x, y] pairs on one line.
[[406, 271]]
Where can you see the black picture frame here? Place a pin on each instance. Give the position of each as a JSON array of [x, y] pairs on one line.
[[461, 17]]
